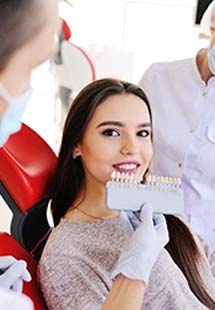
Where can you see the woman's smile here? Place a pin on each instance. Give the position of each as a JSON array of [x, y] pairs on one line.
[[127, 167]]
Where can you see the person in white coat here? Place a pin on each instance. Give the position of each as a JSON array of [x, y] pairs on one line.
[[182, 96], [27, 31]]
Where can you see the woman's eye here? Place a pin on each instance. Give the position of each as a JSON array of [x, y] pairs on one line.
[[143, 133], [110, 133]]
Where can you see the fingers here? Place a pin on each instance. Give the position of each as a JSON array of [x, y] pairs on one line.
[[7, 261], [14, 272], [159, 220], [146, 212], [26, 276], [17, 286], [161, 228]]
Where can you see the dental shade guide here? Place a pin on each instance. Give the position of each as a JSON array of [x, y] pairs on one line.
[[125, 192]]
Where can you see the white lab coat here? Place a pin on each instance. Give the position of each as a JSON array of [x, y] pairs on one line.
[[183, 109]]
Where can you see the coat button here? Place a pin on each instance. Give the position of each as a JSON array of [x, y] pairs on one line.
[[179, 165], [204, 93]]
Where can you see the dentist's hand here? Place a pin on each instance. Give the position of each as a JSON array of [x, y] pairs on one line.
[[13, 273], [144, 246], [14, 301]]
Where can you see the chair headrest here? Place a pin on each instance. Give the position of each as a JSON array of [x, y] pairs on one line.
[[26, 165]]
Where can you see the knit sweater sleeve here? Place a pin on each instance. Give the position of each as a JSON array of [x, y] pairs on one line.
[[70, 284]]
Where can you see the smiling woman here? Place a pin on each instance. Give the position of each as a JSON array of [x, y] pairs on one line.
[[93, 258]]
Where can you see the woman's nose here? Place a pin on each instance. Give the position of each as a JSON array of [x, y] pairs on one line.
[[129, 147]]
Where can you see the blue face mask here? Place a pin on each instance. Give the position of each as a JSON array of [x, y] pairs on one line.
[[10, 120], [211, 59]]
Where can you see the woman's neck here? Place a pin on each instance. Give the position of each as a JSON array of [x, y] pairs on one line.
[[90, 206]]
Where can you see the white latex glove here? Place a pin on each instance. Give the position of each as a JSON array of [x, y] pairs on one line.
[[13, 273], [144, 246], [13, 301]]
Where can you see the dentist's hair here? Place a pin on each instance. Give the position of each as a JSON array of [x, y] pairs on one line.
[[20, 22], [69, 179]]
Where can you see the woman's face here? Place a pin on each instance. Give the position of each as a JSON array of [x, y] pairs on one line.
[[118, 138], [34, 52]]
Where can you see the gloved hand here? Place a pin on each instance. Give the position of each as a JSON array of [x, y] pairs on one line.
[[144, 246], [13, 301], [13, 273]]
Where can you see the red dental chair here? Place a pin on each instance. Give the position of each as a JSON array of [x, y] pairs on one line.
[[26, 165]]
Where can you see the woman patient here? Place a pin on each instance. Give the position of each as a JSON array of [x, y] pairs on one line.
[[93, 258]]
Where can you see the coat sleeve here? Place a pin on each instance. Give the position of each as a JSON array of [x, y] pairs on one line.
[[210, 256]]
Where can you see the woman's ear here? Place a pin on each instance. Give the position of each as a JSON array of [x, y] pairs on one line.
[[76, 152]]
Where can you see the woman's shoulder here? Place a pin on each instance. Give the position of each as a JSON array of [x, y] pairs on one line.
[[70, 236]]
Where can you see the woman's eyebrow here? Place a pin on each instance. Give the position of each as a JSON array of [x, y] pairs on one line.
[[113, 123], [145, 125], [119, 124]]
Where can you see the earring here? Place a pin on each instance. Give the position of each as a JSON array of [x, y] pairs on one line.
[[75, 153]]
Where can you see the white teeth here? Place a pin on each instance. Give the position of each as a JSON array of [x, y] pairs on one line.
[[127, 166]]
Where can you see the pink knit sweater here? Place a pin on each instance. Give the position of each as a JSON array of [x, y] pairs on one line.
[[75, 268]]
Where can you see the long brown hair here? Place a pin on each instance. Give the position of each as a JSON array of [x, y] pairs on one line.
[[70, 178]]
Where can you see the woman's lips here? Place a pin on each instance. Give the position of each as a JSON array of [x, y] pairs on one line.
[[127, 167]]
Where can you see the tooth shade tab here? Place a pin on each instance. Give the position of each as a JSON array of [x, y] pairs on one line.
[[113, 175], [125, 177], [165, 197], [151, 180], [163, 181]]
